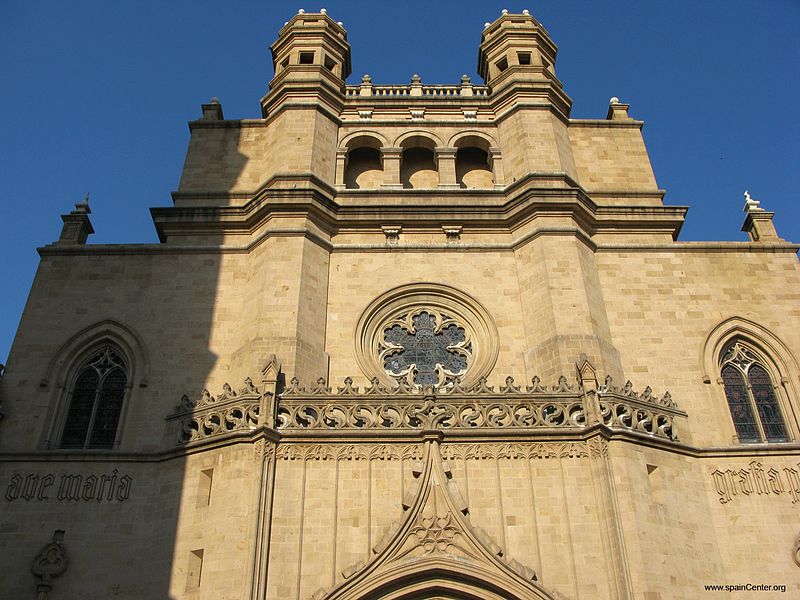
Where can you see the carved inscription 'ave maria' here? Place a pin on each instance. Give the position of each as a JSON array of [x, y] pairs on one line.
[[70, 487], [758, 481]]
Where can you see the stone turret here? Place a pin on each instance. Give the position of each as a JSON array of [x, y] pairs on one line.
[[311, 52], [516, 51]]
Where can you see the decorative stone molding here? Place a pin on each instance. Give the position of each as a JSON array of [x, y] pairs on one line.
[[452, 232], [50, 563], [598, 447], [348, 452], [211, 416], [533, 450], [645, 413], [392, 233], [429, 413], [399, 302], [796, 551], [378, 408], [561, 406]]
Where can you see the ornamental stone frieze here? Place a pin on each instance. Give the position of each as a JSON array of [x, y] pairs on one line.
[[558, 408]]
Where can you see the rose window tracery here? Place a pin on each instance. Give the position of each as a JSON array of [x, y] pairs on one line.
[[425, 347], [425, 334]]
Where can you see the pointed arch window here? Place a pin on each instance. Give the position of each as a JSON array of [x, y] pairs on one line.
[[95, 403], [751, 396]]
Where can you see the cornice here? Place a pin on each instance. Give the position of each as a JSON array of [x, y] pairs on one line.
[[606, 123], [249, 437]]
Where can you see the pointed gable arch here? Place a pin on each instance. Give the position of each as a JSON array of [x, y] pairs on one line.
[[436, 550]]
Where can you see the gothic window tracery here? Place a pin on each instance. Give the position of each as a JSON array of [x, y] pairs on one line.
[[426, 334], [751, 396], [95, 402], [425, 347]]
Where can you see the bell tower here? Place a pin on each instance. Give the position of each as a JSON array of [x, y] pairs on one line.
[[311, 58], [516, 51]]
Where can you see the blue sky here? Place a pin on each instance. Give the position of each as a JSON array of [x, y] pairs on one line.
[[96, 97]]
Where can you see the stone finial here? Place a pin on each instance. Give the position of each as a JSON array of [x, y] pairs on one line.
[[366, 78], [526, 12], [617, 111], [416, 85], [465, 79], [77, 226], [758, 222], [750, 203], [486, 25], [504, 11], [323, 11], [301, 12]]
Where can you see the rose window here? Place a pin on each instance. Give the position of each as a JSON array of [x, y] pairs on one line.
[[425, 347], [425, 334]]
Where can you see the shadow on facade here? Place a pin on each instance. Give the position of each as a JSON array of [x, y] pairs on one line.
[[121, 508]]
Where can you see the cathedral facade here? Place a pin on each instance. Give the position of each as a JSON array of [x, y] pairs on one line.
[[407, 341]]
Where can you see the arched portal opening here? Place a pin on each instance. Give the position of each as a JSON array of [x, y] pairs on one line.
[[473, 166], [418, 168], [364, 167], [441, 579]]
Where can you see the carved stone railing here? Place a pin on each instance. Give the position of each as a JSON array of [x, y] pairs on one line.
[[395, 91], [562, 407], [404, 407], [211, 416], [622, 408]]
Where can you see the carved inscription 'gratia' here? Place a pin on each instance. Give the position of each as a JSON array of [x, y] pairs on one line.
[[755, 480], [70, 487]]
